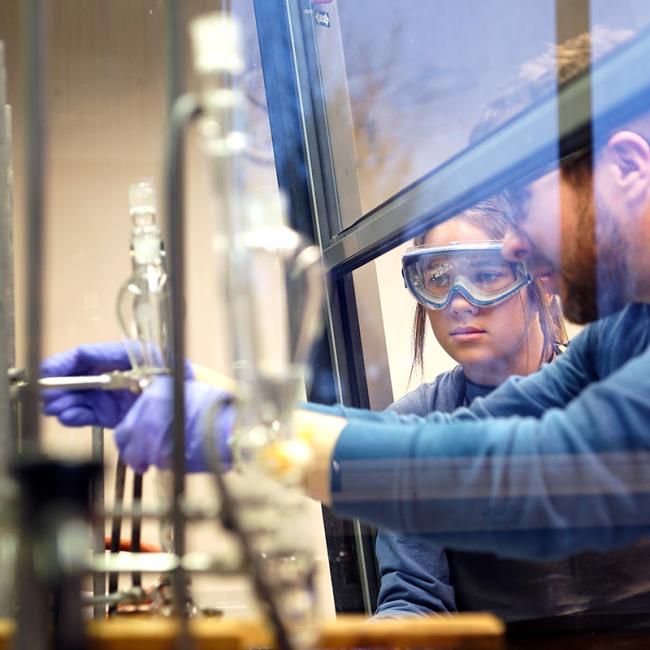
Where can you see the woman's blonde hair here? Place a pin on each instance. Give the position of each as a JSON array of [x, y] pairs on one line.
[[489, 217]]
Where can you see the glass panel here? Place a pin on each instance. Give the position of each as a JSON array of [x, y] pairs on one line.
[[386, 313], [398, 309], [407, 83]]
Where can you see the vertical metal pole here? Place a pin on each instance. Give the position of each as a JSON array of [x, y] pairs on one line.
[[7, 420], [571, 20], [7, 266], [99, 579], [6, 438], [136, 525], [33, 607], [116, 528], [363, 568], [176, 253], [34, 54]]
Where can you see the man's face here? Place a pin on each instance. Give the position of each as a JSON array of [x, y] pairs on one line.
[[575, 242]]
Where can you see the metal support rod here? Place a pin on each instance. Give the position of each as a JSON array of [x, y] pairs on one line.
[[571, 20], [99, 581], [184, 110], [363, 571], [116, 528], [195, 563], [35, 199], [7, 266], [174, 200], [33, 607], [6, 279], [7, 408], [192, 513], [174, 52], [136, 526]]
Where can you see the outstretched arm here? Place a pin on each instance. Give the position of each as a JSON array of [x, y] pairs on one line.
[[541, 486]]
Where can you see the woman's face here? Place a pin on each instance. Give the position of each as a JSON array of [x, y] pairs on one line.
[[493, 339]]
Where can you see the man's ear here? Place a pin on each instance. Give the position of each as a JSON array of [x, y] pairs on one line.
[[629, 155]]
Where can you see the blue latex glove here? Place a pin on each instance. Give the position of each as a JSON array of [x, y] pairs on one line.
[[81, 408], [104, 408], [144, 436]]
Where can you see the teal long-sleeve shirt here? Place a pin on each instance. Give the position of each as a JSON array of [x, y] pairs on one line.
[[545, 466]]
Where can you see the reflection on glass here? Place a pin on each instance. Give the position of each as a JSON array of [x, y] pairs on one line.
[[143, 300], [490, 337], [416, 79], [106, 122]]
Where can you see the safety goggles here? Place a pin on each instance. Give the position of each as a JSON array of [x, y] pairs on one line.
[[476, 270]]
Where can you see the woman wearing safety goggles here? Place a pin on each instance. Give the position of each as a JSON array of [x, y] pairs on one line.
[[486, 313], [477, 303], [492, 318]]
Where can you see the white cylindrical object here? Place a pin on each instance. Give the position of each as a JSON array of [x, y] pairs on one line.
[[142, 203], [217, 44], [146, 248]]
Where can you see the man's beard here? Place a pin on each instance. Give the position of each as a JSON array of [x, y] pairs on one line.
[[596, 279]]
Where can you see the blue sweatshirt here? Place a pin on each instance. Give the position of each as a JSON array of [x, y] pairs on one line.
[[545, 466], [418, 577]]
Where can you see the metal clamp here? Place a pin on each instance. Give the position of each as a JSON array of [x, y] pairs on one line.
[[131, 380]]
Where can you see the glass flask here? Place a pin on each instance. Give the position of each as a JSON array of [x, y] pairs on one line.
[[143, 299]]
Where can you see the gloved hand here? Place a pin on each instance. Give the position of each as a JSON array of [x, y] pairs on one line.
[[104, 408], [144, 436], [81, 408]]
